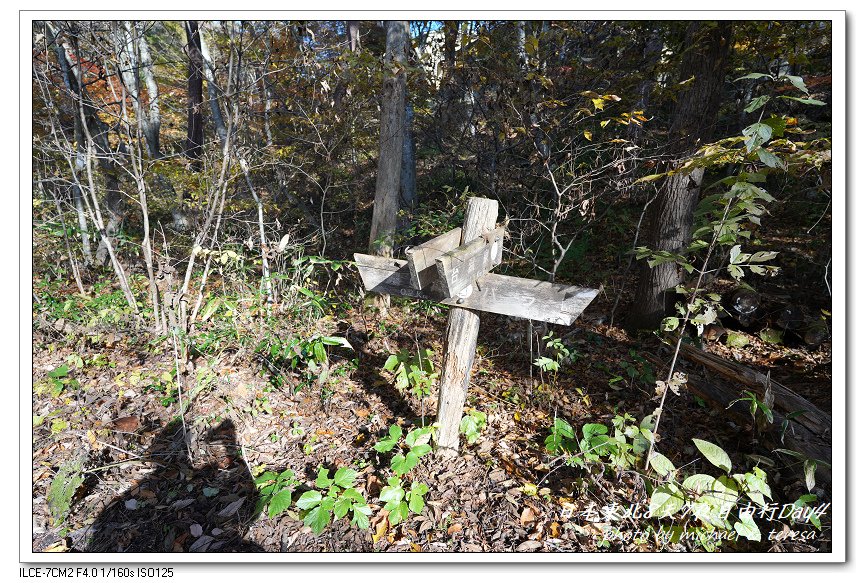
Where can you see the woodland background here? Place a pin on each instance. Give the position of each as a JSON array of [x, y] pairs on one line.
[[203, 348]]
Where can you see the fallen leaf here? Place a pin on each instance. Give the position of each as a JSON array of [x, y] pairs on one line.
[[196, 530], [527, 517], [232, 508], [454, 528], [529, 545], [58, 547], [127, 424], [202, 544]]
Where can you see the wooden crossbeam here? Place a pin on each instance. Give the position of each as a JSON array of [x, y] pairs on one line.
[[460, 268], [499, 294], [422, 258]]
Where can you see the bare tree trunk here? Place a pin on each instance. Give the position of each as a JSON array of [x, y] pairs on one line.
[[384, 217], [353, 28], [90, 128], [408, 175], [213, 91], [671, 216], [153, 121], [265, 267], [194, 118]]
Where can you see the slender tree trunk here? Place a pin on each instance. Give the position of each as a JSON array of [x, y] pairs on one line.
[[212, 91], [153, 121], [408, 172], [353, 28], [671, 216], [194, 118], [384, 215]]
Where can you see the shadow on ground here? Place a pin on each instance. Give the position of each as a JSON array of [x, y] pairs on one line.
[[199, 498]]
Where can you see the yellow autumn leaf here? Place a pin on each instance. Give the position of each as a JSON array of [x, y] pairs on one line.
[[588, 135]]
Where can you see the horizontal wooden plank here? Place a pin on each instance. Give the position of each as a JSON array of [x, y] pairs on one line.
[[422, 258], [499, 294], [461, 267], [527, 298], [390, 276]]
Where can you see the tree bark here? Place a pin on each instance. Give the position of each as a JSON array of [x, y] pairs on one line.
[[384, 217], [353, 28], [212, 91], [153, 120], [195, 99], [671, 216]]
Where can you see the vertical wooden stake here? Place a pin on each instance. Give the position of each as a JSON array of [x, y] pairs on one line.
[[461, 338]]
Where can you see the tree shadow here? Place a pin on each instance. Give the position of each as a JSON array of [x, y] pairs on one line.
[[183, 505]]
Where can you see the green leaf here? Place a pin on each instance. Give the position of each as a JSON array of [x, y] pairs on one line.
[[322, 480], [661, 464], [344, 477], [391, 496], [318, 351], [389, 442], [802, 100], [810, 474], [360, 517], [737, 340], [309, 500], [747, 527], [757, 103], [797, 82], [341, 506], [319, 517], [771, 335], [670, 324], [666, 500], [391, 363], [698, 483], [336, 341], [60, 371], [753, 76], [210, 308], [761, 256], [769, 159], [757, 134], [398, 514], [415, 497], [279, 503], [592, 429], [717, 456]]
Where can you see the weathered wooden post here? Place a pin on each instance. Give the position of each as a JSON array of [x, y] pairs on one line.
[[461, 338], [454, 269]]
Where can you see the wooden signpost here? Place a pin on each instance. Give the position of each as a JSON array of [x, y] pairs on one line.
[[454, 269]]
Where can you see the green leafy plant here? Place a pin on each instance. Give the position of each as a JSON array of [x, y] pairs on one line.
[[472, 424], [308, 357], [416, 445], [809, 466], [275, 491], [711, 499], [620, 447], [60, 380], [399, 501], [415, 371], [62, 489], [336, 499]]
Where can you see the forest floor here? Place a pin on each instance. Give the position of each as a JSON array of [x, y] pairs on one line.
[[106, 419]]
